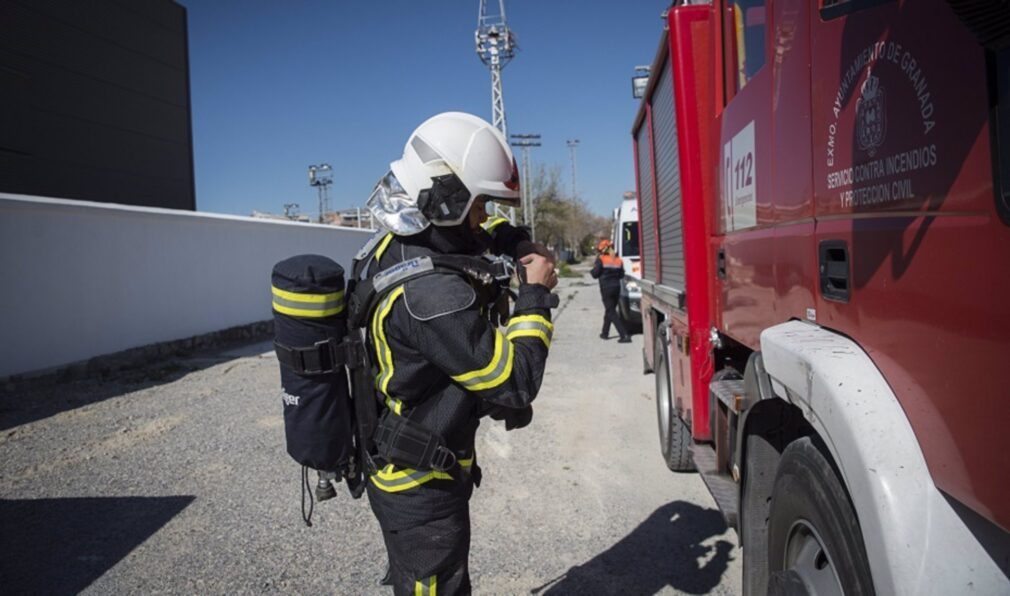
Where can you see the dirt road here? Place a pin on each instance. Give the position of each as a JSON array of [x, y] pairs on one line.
[[174, 479]]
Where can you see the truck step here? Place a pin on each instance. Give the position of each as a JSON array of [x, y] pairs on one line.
[[725, 492], [729, 392]]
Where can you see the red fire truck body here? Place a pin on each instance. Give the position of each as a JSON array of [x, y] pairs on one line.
[[823, 210]]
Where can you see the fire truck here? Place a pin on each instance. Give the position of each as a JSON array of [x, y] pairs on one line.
[[824, 206]]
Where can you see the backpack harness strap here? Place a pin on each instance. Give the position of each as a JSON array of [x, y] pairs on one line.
[[322, 357], [390, 437]]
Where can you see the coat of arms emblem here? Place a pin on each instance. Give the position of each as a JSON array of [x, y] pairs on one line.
[[871, 121]]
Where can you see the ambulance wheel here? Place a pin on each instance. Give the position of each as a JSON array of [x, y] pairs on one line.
[[674, 435], [814, 543]]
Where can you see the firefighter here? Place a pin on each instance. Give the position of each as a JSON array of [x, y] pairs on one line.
[[441, 362], [609, 269]]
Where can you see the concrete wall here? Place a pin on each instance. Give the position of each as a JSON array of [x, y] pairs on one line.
[[84, 279]]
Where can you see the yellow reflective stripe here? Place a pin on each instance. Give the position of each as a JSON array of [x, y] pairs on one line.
[[301, 312], [462, 378], [426, 587], [493, 223], [391, 480], [500, 378], [530, 333], [530, 326], [307, 305], [383, 245], [532, 319], [295, 297], [395, 405], [496, 372], [383, 353]]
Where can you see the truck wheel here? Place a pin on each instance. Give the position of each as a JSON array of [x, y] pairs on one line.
[[674, 435], [760, 460], [814, 539]]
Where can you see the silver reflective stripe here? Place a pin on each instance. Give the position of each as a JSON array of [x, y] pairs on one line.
[[496, 376], [367, 248], [413, 477], [401, 271], [531, 326], [335, 303]]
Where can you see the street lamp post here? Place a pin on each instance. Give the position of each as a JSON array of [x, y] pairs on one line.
[[572, 146], [321, 177], [526, 142]]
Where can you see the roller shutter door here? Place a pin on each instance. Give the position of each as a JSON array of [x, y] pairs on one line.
[[664, 122], [646, 212]]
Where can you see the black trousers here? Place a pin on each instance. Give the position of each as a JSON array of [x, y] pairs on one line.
[[611, 296], [432, 558]]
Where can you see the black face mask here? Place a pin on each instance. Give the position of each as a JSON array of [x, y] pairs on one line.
[[446, 200]]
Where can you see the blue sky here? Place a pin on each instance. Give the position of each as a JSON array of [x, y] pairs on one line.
[[276, 86]]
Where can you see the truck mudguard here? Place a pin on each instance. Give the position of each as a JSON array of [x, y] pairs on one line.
[[915, 541]]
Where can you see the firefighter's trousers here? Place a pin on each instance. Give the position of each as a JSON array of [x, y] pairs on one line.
[[611, 296], [431, 558]]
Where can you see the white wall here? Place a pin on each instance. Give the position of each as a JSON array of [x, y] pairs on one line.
[[80, 279]]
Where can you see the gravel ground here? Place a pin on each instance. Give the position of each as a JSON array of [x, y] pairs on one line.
[[174, 479]]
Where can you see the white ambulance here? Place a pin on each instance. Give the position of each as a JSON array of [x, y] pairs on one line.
[[625, 238]]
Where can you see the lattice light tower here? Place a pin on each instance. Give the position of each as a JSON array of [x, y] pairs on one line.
[[496, 46]]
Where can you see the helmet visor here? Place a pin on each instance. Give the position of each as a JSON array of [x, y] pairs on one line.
[[393, 208]]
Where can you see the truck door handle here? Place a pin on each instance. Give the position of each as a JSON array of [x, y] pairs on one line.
[[834, 270], [720, 260]]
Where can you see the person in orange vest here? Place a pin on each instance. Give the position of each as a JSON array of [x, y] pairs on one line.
[[609, 269]]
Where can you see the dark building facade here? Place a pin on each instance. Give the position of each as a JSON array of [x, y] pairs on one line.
[[94, 101]]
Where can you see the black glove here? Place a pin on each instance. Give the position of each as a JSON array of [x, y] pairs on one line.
[[513, 418]]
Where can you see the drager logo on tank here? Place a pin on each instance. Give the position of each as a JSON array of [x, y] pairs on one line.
[[870, 178]]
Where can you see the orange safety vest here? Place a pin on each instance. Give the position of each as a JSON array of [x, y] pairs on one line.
[[612, 261]]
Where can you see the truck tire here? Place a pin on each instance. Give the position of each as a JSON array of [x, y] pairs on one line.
[[814, 540], [760, 461], [674, 435]]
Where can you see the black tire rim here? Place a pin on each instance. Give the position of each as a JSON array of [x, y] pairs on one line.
[[806, 556]]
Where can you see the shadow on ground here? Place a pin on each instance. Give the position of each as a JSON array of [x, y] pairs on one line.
[[47, 397], [60, 546], [664, 550]]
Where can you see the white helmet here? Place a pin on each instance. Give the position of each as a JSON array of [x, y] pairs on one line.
[[449, 160]]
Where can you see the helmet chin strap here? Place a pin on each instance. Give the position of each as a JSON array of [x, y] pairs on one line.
[[447, 200]]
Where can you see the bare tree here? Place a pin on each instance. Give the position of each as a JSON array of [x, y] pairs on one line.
[[561, 221]]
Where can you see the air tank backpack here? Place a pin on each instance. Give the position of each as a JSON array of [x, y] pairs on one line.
[[310, 327]]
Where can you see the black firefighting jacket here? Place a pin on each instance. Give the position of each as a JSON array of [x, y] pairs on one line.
[[609, 269], [442, 363]]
